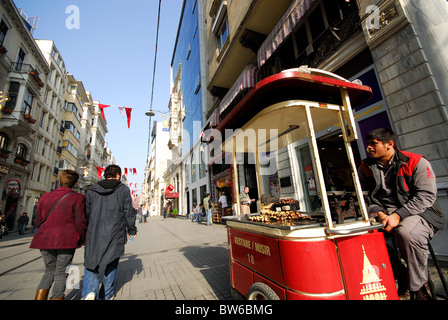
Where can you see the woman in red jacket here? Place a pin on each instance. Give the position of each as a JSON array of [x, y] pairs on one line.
[[62, 229]]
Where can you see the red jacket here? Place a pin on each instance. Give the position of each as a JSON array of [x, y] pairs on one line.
[[66, 226]]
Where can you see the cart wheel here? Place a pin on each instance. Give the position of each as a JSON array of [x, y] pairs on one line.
[[261, 291]]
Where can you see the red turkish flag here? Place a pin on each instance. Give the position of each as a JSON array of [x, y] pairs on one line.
[[128, 115], [102, 106], [99, 170]]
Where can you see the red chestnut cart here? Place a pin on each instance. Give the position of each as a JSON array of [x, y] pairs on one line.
[[318, 256]]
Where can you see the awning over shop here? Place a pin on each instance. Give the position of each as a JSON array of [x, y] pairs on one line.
[[282, 29], [246, 80]]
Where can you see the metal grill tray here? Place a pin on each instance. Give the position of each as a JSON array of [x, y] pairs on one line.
[[316, 220]]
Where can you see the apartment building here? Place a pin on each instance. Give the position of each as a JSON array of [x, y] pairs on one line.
[[23, 75], [51, 118], [93, 142]]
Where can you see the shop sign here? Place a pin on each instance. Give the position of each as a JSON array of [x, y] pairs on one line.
[[224, 182], [172, 195], [13, 185]]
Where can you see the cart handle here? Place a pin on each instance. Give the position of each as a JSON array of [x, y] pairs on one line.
[[341, 232]]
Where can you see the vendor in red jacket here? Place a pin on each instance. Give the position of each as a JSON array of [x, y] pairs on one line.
[[402, 191], [59, 234]]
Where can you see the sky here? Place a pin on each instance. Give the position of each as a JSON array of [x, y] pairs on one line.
[[110, 45]]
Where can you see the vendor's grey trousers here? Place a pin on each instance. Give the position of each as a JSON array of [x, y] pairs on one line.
[[56, 263], [412, 235]]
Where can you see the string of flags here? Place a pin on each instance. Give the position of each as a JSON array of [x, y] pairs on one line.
[[132, 171], [123, 110]]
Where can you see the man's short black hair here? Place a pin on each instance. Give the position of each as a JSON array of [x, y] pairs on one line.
[[111, 171], [382, 134]]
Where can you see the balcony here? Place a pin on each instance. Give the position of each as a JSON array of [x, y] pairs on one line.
[[25, 68]]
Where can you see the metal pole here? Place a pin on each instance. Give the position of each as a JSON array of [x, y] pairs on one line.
[[235, 178], [348, 147], [319, 171]]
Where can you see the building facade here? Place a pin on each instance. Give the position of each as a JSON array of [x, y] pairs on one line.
[[187, 172], [23, 75]]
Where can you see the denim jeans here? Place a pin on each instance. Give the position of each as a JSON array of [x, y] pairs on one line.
[[56, 263], [209, 217], [91, 281], [22, 228]]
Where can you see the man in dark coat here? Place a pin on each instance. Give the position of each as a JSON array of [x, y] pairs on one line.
[[110, 218]]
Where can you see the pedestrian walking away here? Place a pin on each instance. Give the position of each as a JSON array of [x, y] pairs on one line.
[[110, 220], [402, 191], [208, 210], [140, 214], [61, 220], [23, 222]]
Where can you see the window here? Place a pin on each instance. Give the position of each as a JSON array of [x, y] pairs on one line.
[[316, 22], [187, 174], [43, 149], [45, 95], [3, 31], [193, 168], [4, 141], [70, 126], [42, 119], [27, 103], [12, 93], [71, 107], [36, 145], [39, 175], [21, 151], [223, 34], [20, 59]]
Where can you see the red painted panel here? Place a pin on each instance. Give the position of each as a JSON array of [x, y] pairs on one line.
[[366, 267], [241, 278], [256, 252], [311, 266]]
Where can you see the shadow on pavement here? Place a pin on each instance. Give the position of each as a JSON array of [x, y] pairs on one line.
[[214, 265], [127, 268]]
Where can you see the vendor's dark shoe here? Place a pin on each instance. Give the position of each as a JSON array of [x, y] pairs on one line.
[[423, 294], [405, 296]]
